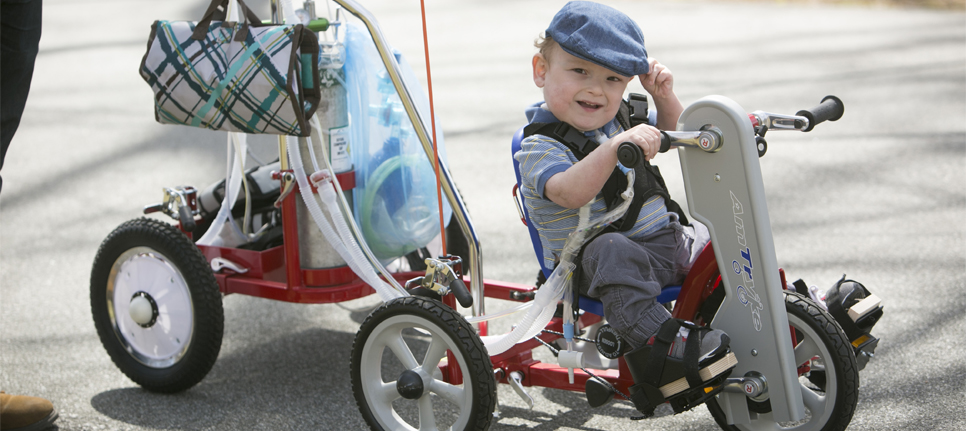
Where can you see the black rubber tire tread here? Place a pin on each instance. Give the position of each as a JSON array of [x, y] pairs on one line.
[[479, 377], [843, 359], [205, 296]]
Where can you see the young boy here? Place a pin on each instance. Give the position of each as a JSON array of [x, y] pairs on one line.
[[589, 54]]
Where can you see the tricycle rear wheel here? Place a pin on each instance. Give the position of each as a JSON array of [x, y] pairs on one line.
[[156, 306], [396, 391]]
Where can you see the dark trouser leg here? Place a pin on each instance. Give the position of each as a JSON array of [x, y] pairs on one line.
[[627, 275], [19, 38]]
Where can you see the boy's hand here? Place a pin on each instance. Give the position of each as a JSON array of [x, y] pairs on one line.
[[646, 137], [579, 184], [659, 82]]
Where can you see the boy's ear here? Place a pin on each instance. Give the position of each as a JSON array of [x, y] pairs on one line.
[[540, 66]]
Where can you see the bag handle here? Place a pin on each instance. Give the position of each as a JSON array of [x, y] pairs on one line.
[[201, 29]]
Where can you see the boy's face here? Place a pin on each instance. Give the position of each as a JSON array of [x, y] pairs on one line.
[[578, 92]]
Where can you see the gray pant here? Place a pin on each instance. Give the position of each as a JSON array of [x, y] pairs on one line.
[[626, 275]]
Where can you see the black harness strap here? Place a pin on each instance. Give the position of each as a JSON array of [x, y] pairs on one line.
[[648, 180]]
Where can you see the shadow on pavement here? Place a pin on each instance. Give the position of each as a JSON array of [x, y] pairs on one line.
[[277, 385]]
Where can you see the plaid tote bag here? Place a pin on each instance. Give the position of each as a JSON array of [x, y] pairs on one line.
[[233, 76]]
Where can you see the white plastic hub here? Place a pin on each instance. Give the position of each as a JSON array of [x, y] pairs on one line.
[[140, 310]]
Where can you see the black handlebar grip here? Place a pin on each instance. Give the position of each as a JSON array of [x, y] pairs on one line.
[[830, 109], [461, 293], [187, 220], [665, 142], [629, 154]]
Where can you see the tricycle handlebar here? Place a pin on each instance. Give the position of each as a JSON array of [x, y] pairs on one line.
[[831, 109], [708, 140]]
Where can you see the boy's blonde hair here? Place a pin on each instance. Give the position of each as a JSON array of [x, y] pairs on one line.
[[545, 45]]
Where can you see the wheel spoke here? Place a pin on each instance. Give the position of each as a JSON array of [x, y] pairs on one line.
[[453, 394], [427, 418], [398, 345], [814, 401], [435, 353], [806, 350], [766, 421], [385, 393]]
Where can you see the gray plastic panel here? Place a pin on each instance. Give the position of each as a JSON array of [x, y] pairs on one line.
[[725, 191]]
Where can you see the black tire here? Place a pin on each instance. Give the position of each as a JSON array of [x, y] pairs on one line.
[[173, 350], [416, 325], [835, 362]]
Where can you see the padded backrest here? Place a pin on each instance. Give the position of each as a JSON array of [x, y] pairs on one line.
[[534, 235]]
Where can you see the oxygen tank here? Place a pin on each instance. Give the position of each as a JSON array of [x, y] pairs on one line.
[[332, 113]]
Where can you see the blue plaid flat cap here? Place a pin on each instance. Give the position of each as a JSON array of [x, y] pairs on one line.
[[602, 35]]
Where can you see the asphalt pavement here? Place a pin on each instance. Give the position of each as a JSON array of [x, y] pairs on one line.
[[879, 195]]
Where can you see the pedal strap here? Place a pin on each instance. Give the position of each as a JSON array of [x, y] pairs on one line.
[[692, 352], [663, 341], [646, 393]]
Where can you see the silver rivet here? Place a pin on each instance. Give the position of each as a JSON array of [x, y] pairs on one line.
[[717, 178], [754, 352]]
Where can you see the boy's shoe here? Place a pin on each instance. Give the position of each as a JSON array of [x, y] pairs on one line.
[[23, 413], [678, 363], [714, 342]]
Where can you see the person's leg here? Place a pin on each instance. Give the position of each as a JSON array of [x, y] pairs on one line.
[[627, 276], [19, 38], [20, 23]]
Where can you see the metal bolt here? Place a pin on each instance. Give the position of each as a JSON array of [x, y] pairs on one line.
[[754, 352], [717, 178]]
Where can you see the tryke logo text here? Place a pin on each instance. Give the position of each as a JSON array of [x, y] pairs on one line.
[[746, 292]]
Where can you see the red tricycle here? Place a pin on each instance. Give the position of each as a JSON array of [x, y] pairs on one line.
[[417, 362]]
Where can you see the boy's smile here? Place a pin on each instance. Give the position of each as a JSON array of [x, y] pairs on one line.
[[578, 92]]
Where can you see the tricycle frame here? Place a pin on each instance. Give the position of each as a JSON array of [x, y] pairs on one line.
[[276, 273]]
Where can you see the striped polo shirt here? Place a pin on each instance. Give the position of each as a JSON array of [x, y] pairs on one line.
[[540, 157]]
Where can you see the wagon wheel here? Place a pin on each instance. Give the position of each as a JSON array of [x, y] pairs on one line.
[[394, 390], [831, 395], [156, 306]]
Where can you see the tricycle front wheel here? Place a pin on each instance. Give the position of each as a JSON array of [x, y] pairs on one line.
[[156, 306], [830, 389], [396, 391]]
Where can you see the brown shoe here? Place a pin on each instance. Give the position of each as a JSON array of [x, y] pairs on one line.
[[22, 413]]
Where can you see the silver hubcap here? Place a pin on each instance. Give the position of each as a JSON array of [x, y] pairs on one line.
[[137, 275]]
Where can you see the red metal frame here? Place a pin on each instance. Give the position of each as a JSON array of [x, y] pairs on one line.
[[276, 274], [695, 289]]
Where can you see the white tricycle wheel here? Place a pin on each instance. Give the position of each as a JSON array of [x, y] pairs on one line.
[[396, 377], [829, 391]]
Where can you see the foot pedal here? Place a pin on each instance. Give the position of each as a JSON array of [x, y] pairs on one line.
[[659, 377], [864, 349], [856, 310], [598, 393], [516, 382], [694, 397], [716, 369], [864, 307]]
